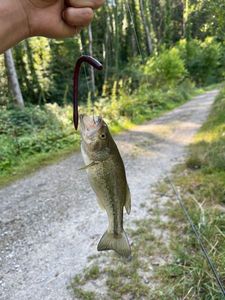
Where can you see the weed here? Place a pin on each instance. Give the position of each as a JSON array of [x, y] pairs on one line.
[[84, 295], [92, 273], [203, 191]]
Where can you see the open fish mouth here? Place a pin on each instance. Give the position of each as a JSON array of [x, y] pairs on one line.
[[90, 123], [89, 127]]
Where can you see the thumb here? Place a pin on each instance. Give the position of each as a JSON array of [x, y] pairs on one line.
[[78, 17]]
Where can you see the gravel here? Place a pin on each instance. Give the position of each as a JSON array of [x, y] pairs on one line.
[[50, 222]]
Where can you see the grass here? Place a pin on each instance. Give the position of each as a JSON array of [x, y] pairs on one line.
[[34, 163], [202, 184], [173, 267], [33, 149], [120, 277]]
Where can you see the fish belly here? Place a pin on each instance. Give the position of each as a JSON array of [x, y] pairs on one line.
[[110, 190]]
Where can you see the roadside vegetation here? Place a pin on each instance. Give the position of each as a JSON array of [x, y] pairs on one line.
[[154, 54], [31, 137], [201, 183], [37, 134], [167, 263]]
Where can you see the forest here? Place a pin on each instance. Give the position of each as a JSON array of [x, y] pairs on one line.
[[154, 53]]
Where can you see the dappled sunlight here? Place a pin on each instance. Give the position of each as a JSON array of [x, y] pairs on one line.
[[159, 59], [145, 138], [62, 114], [211, 135]]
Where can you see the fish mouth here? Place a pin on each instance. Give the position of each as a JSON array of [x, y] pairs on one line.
[[90, 122]]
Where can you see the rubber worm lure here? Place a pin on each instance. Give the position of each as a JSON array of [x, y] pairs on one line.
[[94, 63]]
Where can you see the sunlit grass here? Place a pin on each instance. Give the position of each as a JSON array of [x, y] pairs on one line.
[[202, 185]]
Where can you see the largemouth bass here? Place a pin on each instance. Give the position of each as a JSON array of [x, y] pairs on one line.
[[107, 177]]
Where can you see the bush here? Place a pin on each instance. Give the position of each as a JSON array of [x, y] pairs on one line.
[[24, 133], [204, 61], [142, 93], [166, 69]]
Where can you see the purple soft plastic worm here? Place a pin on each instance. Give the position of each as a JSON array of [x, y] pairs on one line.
[[94, 63]]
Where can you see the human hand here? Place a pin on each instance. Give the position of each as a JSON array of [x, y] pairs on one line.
[[58, 18]]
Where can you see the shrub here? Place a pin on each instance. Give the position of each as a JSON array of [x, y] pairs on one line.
[[204, 61], [35, 129], [165, 69]]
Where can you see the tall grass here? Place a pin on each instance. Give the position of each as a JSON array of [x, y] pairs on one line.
[[202, 184]]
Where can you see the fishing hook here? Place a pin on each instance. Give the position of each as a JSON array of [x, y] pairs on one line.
[[94, 63]]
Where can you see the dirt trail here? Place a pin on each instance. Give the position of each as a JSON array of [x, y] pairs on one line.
[[50, 222]]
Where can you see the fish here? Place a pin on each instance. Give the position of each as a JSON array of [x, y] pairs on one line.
[[107, 177]]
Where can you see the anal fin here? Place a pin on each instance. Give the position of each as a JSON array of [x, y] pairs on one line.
[[128, 200]]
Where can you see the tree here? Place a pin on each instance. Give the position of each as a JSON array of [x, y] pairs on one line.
[[145, 24], [13, 79], [91, 54]]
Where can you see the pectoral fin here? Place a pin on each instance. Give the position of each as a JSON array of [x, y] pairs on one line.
[[128, 201], [93, 163]]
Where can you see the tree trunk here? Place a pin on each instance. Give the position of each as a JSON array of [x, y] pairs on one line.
[[116, 42], [34, 82], [156, 18], [106, 51], [91, 54], [147, 32], [185, 18], [13, 79]]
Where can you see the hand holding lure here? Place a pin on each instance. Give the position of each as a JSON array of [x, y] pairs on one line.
[[94, 63]]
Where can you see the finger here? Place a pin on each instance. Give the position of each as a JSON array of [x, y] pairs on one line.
[[94, 4], [78, 17], [65, 31]]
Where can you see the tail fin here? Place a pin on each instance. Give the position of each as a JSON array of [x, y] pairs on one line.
[[120, 244]]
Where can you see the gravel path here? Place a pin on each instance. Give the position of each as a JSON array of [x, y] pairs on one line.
[[50, 222]]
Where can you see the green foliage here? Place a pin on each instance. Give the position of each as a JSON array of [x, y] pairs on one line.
[[45, 69], [206, 18], [204, 61], [120, 40], [36, 130], [47, 129], [24, 133], [4, 94], [63, 57], [211, 139], [166, 69], [140, 93], [202, 187]]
